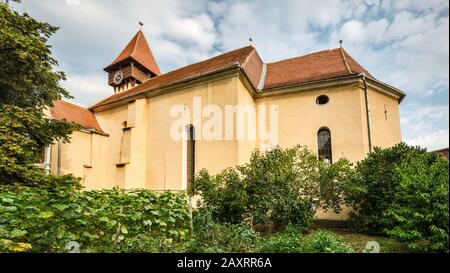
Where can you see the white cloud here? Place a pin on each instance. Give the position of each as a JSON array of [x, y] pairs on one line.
[[432, 141], [426, 126], [87, 88]]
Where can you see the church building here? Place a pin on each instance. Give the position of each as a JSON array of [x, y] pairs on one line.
[[157, 129]]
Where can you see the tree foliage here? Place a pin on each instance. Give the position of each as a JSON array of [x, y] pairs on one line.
[[23, 134], [420, 208], [403, 192], [28, 85], [27, 78], [281, 185]]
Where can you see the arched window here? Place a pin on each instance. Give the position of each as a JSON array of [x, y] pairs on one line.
[[190, 155], [324, 143]]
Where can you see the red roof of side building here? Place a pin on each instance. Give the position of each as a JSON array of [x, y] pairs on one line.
[[69, 112], [444, 152], [138, 50]]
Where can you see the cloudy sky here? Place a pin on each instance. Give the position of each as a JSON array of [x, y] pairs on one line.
[[402, 42]]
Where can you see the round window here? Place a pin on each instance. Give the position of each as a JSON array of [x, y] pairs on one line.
[[322, 99]]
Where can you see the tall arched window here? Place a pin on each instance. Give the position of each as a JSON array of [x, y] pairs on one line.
[[190, 155], [324, 143]]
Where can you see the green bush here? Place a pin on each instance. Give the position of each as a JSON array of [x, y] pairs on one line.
[[213, 237], [374, 188], [223, 195], [279, 184], [288, 241], [420, 209], [323, 241], [49, 216], [402, 192], [283, 186], [292, 240]]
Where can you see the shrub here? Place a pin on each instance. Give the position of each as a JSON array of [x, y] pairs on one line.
[[375, 185], [292, 241], [49, 216], [323, 241], [213, 237], [280, 185], [288, 241], [420, 209], [283, 186], [224, 195], [403, 192]]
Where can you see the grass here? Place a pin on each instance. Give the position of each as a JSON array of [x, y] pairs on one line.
[[359, 241]]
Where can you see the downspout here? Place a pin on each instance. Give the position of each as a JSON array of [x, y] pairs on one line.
[[369, 123], [59, 158]]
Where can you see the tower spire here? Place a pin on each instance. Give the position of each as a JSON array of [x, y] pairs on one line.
[[138, 51], [134, 65]]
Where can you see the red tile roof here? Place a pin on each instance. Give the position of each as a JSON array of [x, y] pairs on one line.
[[138, 50], [240, 56], [322, 65], [443, 152], [62, 110], [316, 66]]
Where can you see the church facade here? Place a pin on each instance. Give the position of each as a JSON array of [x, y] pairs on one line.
[[157, 129]]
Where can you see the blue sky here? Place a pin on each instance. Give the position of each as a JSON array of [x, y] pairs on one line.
[[402, 42]]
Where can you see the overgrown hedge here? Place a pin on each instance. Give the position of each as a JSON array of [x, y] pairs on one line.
[[46, 218], [283, 186], [403, 192]]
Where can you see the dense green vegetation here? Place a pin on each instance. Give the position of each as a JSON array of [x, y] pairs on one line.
[[49, 216], [29, 83], [403, 192], [281, 186]]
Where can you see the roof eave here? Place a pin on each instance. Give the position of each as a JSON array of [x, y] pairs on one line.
[[183, 81], [400, 93]]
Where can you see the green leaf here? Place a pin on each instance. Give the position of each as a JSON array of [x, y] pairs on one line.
[[124, 230], [46, 215]]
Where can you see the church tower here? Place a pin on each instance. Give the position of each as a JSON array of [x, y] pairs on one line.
[[134, 65]]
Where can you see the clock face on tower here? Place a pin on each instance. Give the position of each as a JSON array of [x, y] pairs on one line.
[[118, 77]]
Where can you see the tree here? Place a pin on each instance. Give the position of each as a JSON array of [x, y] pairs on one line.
[[28, 85], [420, 208], [283, 186], [402, 190]]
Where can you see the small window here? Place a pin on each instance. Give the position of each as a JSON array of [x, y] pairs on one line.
[[322, 100]]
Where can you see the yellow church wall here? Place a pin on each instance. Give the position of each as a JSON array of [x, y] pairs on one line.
[[106, 151], [386, 130], [247, 145], [165, 155], [72, 155], [300, 118]]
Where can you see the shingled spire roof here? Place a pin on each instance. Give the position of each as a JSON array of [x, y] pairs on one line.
[[139, 51]]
